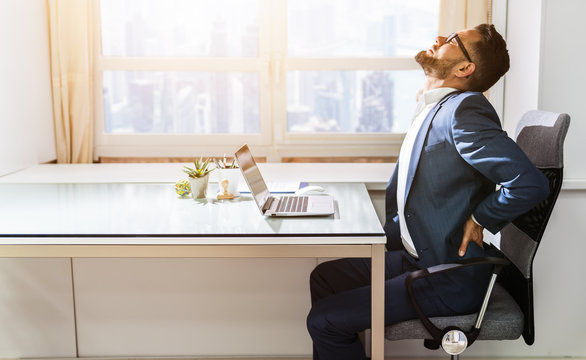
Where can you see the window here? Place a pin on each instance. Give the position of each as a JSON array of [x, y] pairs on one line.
[[290, 78]]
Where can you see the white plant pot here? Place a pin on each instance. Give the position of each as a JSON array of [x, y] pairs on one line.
[[199, 187], [233, 177]]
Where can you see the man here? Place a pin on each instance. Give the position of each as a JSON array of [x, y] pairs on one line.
[[439, 199]]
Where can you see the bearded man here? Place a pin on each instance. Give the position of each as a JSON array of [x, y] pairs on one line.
[[438, 201]]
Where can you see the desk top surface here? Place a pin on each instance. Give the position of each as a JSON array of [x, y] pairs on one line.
[[40, 213]]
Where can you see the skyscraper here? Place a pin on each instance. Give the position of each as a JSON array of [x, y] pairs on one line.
[[377, 103], [219, 82]]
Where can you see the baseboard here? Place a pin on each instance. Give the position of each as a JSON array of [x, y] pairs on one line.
[[297, 358], [176, 358]]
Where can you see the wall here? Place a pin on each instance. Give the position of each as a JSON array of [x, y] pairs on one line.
[[524, 44], [192, 307], [563, 74], [36, 301], [545, 41], [26, 120]]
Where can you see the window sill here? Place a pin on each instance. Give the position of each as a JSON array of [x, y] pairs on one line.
[[374, 175]]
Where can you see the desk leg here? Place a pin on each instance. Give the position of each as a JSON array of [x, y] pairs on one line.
[[378, 300]]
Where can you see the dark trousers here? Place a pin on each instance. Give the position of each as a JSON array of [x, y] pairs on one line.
[[341, 303]]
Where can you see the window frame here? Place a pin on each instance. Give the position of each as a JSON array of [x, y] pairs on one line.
[[272, 65]]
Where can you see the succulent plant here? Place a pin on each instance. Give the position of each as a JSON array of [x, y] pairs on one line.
[[201, 169], [224, 164]]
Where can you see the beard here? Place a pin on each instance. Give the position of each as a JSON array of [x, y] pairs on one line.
[[437, 68]]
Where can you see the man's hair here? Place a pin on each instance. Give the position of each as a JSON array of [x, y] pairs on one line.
[[491, 57]]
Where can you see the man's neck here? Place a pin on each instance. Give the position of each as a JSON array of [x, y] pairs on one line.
[[435, 83]]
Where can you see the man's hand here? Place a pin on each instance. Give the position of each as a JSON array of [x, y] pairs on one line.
[[472, 232]]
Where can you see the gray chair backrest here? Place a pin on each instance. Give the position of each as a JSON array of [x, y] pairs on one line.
[[541, 135]]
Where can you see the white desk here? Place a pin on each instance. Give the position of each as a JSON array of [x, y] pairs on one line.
[[149, 220]]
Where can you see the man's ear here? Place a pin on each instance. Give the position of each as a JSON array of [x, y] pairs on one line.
[[465, 69]]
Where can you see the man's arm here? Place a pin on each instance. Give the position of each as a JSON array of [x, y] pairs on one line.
[[483, 144]]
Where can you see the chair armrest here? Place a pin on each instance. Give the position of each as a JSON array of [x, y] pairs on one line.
[[435, 332], [456, 265]]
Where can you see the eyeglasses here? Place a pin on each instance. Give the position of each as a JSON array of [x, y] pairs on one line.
[[454, 36]]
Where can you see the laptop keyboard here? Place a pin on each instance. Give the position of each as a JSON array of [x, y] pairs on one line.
[[292, 204]]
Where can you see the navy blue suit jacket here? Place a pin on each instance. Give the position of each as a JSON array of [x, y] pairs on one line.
[[460, 154]]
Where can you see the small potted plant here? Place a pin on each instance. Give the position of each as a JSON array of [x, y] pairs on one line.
[[198, 177], [228, 170]]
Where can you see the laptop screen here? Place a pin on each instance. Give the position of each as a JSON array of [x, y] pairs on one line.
[[252, 175]]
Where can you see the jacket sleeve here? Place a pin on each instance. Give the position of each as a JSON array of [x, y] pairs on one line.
[[482, 143]]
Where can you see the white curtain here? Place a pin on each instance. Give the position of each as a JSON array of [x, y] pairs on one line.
[[71, 52]]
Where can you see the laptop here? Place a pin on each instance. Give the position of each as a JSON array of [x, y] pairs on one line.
[[281, 205]]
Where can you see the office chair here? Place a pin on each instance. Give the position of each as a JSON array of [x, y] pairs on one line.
[[507, 310]]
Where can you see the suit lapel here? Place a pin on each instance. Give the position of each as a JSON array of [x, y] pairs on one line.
[[419, 141], [418, 147]]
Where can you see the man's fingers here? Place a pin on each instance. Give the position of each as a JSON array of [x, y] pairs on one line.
[[472, 232], [463, 246], [479, 240]]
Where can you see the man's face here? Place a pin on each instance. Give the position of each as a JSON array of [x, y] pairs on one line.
[[441, 59]]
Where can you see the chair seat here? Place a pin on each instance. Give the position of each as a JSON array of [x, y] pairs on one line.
[[503, 321]]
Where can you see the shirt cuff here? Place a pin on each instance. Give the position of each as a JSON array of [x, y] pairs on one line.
[[476, 221]]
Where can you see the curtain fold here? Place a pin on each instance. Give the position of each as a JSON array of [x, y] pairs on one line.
[[72, 68], [456, 15]]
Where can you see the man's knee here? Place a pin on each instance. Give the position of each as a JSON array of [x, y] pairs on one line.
[[318, 323], [315, 274], [325, 272], [318, 282], [314, 322]]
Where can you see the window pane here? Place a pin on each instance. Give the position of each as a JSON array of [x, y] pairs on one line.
[[179, 27], [351, 101], [366, 28], [181, 102]]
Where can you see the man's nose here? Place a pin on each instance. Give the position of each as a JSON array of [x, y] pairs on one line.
[[440, 40]]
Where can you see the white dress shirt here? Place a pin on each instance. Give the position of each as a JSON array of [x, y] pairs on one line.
[[426, 102]]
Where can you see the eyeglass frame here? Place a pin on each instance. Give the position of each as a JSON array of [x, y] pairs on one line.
[[460, 44]]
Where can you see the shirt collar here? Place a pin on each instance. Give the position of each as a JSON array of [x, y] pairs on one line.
[[435, 95]]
